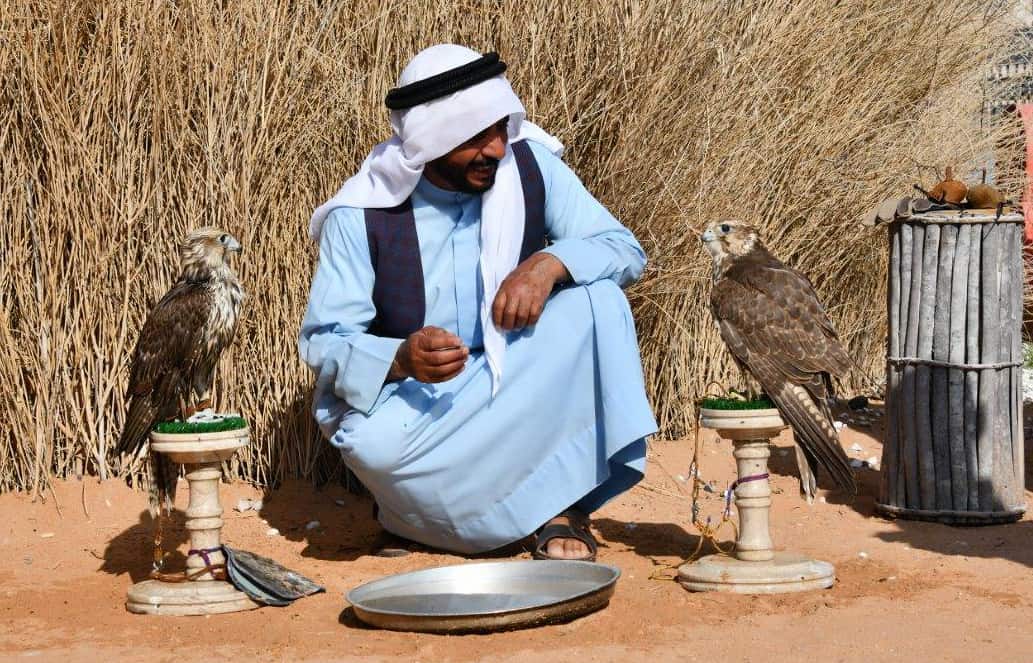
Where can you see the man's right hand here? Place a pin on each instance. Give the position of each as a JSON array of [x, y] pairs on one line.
[[429, 355]]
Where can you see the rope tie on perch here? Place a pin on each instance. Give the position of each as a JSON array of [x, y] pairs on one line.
[[730, 492], [919, 361]]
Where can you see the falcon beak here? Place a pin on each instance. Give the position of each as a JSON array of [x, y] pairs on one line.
[[707, 236], [233, 245]]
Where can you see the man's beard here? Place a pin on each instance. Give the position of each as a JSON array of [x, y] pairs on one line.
[[460, 182]]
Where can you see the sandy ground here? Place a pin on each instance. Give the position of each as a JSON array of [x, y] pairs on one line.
[[905, 590]]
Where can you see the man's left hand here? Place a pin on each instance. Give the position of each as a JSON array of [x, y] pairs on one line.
[[521, 297]]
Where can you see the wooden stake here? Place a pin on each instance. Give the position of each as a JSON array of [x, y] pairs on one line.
[[972, 312], [903, 295], [923, 391], [916, 235], [1018, 437], [988, 342], [941, 351], [1004, 480], [1011, 444], [956, 377], [890, 453]]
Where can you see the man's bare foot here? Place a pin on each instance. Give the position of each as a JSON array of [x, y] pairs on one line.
[[567, 548]]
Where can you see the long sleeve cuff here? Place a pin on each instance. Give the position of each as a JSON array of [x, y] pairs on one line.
[[368, 366], [580, 258], [602, 257]]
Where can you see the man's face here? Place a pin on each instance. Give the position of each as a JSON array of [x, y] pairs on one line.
[[471, 167]]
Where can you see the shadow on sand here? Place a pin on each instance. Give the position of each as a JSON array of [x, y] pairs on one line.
[[132, 550], [1008, 541], [647, 539]]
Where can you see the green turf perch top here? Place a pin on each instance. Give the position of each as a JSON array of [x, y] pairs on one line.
[[759, 403], [230, 423]]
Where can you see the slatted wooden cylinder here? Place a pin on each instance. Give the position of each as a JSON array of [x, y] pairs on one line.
[[953, 451]]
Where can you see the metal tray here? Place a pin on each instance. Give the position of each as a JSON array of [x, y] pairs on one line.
[[485, 596]]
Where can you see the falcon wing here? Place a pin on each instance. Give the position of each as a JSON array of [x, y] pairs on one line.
[[776, 328], [164, 360]]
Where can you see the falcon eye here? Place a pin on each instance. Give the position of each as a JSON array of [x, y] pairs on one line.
[[222, 239], [725, 228]]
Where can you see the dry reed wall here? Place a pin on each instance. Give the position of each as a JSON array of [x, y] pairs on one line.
[[124, 124]]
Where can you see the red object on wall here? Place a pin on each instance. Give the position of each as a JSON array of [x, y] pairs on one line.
[[1026, 112]]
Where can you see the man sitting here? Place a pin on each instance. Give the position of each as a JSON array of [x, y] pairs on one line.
[[476, 358]]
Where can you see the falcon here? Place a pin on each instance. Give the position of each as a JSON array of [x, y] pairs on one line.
[[178, 350], [778, 332]]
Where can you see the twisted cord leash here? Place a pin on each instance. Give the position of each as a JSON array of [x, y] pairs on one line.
[[158, 560], [707, 531]]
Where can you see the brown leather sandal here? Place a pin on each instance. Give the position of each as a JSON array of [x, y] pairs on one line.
[[578, 528]]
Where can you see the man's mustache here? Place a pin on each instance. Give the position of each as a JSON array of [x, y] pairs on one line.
[[486, 162]]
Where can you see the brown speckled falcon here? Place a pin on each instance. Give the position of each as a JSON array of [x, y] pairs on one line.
[[178, 349], [778, 332]]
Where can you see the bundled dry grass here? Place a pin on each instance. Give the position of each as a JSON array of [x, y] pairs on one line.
[[124, 124]]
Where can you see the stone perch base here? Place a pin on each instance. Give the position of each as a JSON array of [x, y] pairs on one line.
[[756, 568], [202, 453]]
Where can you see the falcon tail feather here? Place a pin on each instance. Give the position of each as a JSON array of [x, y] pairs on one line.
[[812, 426], [141, 417], [162, 475], [807, 465]]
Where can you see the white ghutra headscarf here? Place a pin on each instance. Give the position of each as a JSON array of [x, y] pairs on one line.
[[430, 130]]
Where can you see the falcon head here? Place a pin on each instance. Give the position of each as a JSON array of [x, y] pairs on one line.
[[205, 250], [729, 239]]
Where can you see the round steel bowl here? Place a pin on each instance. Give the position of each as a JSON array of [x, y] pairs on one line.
[[484, 596]]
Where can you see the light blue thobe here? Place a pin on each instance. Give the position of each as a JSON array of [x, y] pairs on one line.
[[448, 465]]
